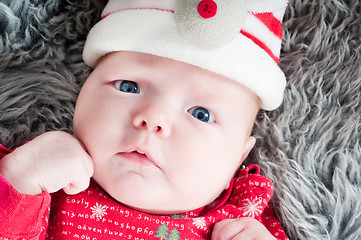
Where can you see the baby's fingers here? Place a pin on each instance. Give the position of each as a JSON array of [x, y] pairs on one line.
[[241, 229], [81, 177], [76, 187], [227, 229]]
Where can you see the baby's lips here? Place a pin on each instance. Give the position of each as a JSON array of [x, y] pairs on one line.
[[141, 154]]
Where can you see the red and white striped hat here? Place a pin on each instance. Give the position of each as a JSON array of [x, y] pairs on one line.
[[239, 39]]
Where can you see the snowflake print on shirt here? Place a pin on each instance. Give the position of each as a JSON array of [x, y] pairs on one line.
[[252, 208], [200, 222], [99, 211]]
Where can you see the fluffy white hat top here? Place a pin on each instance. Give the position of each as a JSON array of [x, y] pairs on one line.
[[239, 39]]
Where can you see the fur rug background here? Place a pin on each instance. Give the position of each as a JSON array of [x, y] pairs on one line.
[[310, 147]]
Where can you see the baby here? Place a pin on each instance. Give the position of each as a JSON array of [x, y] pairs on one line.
[[162, 125]]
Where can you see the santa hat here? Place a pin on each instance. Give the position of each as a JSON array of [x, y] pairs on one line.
[[239, 39]]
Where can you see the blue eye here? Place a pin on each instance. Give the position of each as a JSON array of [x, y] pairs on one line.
[[127, 86], [201, 114]]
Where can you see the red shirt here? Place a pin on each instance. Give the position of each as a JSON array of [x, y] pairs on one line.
[[93, 214]]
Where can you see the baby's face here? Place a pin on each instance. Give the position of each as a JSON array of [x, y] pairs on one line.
[[165, 136]]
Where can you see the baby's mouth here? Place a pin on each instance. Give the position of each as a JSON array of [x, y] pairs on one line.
[[139, 157]]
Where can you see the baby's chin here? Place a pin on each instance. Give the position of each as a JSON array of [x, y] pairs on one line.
[[157, 211], [157, 208], [165, 202]]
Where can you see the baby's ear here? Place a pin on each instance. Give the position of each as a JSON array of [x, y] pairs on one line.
[[250, 142]]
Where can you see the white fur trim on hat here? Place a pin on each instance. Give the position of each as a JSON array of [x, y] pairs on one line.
[[155, 31]]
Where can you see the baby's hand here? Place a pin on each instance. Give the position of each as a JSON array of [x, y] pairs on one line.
[[241, 229], [50, 162]]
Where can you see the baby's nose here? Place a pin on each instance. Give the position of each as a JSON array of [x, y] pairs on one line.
[[153, 119]]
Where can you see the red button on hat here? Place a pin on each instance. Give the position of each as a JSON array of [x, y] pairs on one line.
[[207, 8]]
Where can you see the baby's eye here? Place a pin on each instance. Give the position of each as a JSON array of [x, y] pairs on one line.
[[127, 86], [202, 114]]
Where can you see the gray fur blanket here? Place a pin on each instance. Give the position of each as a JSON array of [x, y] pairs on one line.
[[310, 147]]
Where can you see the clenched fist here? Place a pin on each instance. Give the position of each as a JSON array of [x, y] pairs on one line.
[[241, 229], [52, 161]]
